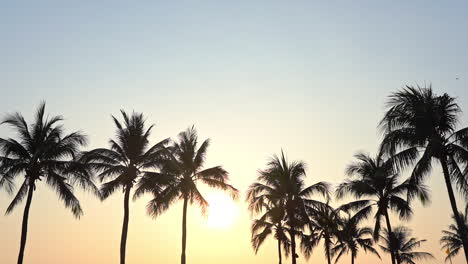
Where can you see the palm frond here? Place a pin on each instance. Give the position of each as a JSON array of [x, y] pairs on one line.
[[108, 188], [221, 185], [22, 192], [164, 200], [65, 193]]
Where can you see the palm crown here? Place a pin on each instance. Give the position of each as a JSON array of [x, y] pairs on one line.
[[375, 178], [418, 119], [351, 237], [272, 222], [183, 164], [401, 242], [129, 155], [452, 239], [42, 152], [323, 222], [282, 184]]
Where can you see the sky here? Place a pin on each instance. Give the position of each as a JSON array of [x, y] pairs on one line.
[[308, 77]]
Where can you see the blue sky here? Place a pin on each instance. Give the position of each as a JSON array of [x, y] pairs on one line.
[[255, 76]]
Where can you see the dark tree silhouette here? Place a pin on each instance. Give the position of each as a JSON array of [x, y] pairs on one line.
[[42, 151], [282, 183], [351, 237], [272, 222], [418, 120], [183, 164], [452, 239], [377, 180], [129, 157], [324, 223], [401, 242]]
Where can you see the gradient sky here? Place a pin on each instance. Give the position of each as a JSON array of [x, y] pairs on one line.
[[254, 76]]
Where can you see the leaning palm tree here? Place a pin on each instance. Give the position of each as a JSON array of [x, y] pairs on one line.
[[42, 151], [272, 222], [324, 222], [401, 242], [376, 180], [184, 165], [452, 238], [351, 237], [282, 183], [419, 121], [128, 158]]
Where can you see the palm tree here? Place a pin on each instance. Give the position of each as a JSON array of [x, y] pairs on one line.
[[183, 163], [417, 121], [324, 222], [452, 238], [282, 183], [271, 222], [401, 242], [128, 158], [42, 152], [351, 237], [376, 180]]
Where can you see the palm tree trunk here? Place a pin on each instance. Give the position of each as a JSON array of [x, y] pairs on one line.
[[352, 258], [327, 248], [279, 250], [292, 232], [184, 231], [123, 241], [398, 261], [24, 228], [453, 203], [293, 245], [390, 232]]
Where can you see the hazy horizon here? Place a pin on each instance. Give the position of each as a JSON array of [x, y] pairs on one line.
[[253, 76]]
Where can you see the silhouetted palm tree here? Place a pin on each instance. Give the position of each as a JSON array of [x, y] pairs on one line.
[[376, 179], [129, 157], [401, 242], [351, 237], [184, 162], [282, 183], [452, 238], [324, 223], [43, 152], [420, 121], [272, 222]]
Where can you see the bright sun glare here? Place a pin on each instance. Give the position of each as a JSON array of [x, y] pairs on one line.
[[222, 211]]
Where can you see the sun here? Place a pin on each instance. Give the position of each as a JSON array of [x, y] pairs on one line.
[[222, 211]]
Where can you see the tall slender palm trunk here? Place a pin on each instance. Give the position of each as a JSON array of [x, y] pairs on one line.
[[184, 231], [327, 248], [390, 233], [352, 258], [123, 240], [292, 232], [24, 228], [279, 250], [293, 245], [453, 203]]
